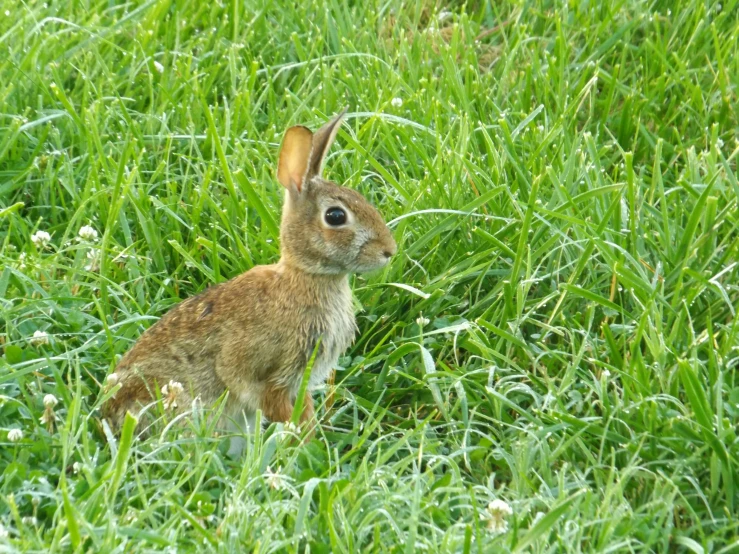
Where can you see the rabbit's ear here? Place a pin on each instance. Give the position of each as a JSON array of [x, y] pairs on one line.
[[322, 141], [295, 154]]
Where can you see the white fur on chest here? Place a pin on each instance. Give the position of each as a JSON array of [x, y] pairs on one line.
[[337, 328]]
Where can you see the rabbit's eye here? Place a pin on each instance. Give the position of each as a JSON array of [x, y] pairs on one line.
[[335, 216]]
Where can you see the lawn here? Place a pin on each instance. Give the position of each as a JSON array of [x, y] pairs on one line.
[[556, 335]]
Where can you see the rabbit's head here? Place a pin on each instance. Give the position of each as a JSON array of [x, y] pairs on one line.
[[326, 228]]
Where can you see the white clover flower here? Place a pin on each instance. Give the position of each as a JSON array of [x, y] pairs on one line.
[[88, 233], [421, 321], [29, 520], [39, 337], [40, 239], [172, 387], [606, 373], [48, 418], [159, 67], [290, 427], [76, 467], [274, 479], [22, 261], [50, 401], [170, 392], [93, 255], [396, 102], [14, 435], [498, 510]]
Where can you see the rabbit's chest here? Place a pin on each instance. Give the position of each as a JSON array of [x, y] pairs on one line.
[[335, 329]]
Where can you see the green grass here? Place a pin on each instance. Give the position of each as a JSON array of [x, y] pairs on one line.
[[558, 330]]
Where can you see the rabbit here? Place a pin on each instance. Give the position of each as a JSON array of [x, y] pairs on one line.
[[253, 336]]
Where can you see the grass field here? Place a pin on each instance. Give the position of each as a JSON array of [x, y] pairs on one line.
[[557, 331]]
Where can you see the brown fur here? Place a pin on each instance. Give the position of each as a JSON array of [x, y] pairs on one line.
[[253, 335]]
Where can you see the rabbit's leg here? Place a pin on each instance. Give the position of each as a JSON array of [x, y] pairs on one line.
[[243, 422], [276, 403], [307, 418], [135, 396]]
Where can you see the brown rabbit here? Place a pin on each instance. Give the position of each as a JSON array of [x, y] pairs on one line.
[[254, 335]]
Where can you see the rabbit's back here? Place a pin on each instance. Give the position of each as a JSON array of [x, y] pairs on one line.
[[181, 347]]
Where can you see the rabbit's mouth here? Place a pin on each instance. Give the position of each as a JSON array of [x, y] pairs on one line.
[[374, 259]]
